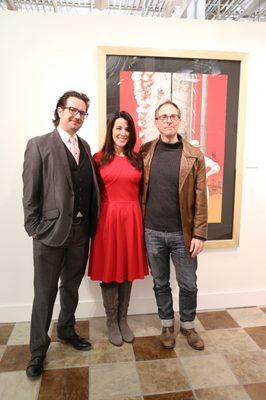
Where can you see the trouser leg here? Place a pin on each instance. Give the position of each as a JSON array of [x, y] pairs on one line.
[[71, 276], [185, 267], [159, 257], [47, 267]]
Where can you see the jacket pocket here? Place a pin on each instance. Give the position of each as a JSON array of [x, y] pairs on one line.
[[50, 214]]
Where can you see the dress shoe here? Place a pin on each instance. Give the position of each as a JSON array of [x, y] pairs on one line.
[[77, 342], [35, 367], [167, 337], [193, 338]]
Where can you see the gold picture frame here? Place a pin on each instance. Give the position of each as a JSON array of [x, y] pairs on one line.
[[113, 61]]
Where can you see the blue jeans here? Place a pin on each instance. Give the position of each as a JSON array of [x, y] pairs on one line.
[[160, 246]]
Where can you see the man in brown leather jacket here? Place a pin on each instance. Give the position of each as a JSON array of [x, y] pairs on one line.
[[174, 204]]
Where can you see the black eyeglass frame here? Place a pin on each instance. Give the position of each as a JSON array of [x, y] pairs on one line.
[[75, 111], [164, 117]]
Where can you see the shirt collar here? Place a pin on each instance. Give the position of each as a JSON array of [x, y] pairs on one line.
[[65, 136]]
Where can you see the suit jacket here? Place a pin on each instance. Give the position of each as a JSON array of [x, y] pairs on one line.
[[48, 195], [192, 189]]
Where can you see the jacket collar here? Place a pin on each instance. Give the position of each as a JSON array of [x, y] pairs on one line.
[[61, 154], [188, 149]]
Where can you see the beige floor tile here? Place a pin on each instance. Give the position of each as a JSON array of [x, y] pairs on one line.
[[208, 371], [20, 334], [222, 393], [104, 352], [230, 340], [97, 329], [248, 367], [198, 325], [114, 382], [2, 350], [122, 397], [145, 325], [15, 385], [183, 349], [63, 356], [130, 398], [247, 317], [160, 376]]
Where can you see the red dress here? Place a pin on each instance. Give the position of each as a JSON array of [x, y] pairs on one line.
[[117, 250]]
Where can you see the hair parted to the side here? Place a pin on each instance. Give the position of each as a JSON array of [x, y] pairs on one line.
[[108, 149], [165, 103], [63, 100]]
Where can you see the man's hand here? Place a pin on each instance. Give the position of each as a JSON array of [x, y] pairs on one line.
[[196, 246]]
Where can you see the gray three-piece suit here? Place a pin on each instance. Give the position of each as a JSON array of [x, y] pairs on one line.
[[55, 190]]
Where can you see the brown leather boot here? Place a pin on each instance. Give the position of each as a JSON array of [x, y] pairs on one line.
[[167, 337], [193, 338]]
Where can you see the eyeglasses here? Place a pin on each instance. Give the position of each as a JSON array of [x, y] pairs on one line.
[[164, 117], [75, 111]]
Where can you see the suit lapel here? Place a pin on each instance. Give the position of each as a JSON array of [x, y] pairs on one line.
[[61, 155]]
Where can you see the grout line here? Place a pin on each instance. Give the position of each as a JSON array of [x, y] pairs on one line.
[[89, 382]]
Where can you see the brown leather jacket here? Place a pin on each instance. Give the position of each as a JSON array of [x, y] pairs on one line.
[[192, 189]]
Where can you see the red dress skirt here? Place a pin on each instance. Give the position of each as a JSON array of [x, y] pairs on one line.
[[117, 250]]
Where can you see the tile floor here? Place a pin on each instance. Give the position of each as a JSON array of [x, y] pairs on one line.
[[232, 366]]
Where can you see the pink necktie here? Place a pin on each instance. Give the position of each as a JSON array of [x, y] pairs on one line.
[[74, 148]]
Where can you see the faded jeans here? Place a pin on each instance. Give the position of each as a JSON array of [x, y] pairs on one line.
[[160, 246]]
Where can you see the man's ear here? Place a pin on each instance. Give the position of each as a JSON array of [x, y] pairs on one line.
[[60, 110]]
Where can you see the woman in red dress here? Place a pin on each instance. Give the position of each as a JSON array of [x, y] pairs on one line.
[[117, 255]]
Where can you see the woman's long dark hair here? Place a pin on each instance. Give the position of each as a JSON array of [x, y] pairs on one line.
[[108, 150]]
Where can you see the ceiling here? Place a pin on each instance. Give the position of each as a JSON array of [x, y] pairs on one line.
[[237, 10]]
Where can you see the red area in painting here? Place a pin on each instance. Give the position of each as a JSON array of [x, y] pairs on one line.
[[216, 112], [127, 100]]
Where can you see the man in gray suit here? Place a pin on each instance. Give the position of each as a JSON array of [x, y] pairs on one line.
[[61, 204]]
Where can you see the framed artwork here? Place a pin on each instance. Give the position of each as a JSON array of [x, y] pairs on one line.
[[210, 90]]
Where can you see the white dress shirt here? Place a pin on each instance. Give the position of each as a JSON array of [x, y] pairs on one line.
[[65, 139]]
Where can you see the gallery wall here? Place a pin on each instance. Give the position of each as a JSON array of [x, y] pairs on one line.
[[44, 55]]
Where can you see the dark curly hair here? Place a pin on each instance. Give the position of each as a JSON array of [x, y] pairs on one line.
[[63, 100]]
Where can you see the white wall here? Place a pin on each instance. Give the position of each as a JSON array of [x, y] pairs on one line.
[[44, 55]]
